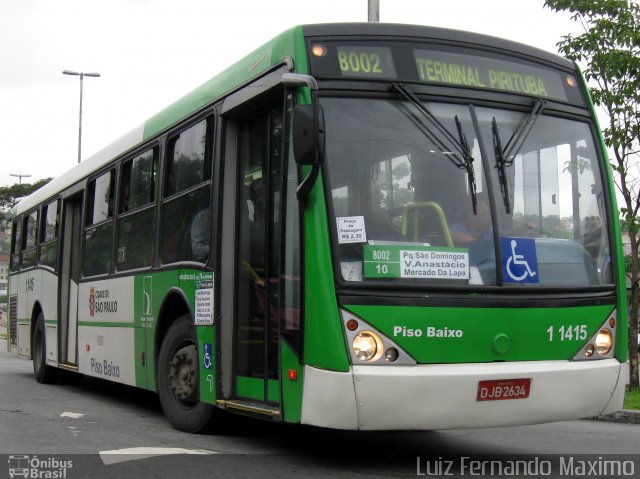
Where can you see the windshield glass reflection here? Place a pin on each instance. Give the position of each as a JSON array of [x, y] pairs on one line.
[[403, 204]]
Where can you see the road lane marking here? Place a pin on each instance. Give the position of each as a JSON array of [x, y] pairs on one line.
[[74, 415], [135, 453]]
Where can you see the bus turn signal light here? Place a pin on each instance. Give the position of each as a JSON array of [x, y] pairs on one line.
[[352, 325]]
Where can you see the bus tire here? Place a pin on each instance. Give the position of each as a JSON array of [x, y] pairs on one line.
[[178, 381], [44, 374]]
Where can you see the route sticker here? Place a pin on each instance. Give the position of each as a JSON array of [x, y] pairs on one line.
[[351, 229], [204, 299], [385, 261]]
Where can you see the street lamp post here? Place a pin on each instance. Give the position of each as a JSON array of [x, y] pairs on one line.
[[81, 75], [19, 177]]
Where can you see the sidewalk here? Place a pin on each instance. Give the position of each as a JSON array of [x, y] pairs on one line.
[[628, 416]]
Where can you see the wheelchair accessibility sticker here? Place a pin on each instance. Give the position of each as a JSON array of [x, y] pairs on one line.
[[519, 260], [207, 356]]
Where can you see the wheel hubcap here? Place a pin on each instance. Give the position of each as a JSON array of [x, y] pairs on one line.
[[183, 375]]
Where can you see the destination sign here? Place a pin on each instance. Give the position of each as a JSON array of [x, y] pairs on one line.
[[484, 72], [441, 65], [357, 61], [415, 262]]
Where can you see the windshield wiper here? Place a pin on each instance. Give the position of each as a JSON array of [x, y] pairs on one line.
[[468, 159], [501, 165], [505, 156], [461, 157]]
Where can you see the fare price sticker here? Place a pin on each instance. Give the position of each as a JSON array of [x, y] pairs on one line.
[[351, 229]]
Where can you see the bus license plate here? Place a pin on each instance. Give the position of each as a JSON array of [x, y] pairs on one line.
[[501, 389]]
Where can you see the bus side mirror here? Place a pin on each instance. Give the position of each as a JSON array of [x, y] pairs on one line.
[[308, 134]]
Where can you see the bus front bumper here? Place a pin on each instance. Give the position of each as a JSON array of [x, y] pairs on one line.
[[429, 397]]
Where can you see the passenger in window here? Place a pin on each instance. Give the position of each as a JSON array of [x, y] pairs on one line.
[[200, 235], [255, 201], [474, 227]]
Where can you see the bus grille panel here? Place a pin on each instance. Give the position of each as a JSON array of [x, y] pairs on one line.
[[13, 320]]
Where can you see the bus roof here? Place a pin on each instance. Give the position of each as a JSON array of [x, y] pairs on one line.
[[288, 44]]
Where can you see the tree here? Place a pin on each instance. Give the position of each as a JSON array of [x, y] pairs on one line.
[[609, 53], [9, 195]]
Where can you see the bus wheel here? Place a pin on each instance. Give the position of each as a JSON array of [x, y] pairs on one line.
[[178, 379], [44, 374]]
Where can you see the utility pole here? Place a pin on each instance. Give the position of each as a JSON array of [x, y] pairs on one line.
[[374, 11]]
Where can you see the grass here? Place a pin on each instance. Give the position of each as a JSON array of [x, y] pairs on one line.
[[632, 399]]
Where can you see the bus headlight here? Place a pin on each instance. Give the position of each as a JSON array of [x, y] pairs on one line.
[[604, 342], [601, 345], [367, 346]]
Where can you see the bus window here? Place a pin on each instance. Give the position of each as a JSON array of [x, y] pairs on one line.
[[186, 224], [137, 218], [138, 184], [49, 235], [16, 245], [98, 231], [30, 230], [186, 163]]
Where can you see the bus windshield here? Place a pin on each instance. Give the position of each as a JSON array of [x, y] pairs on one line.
[[411, 205]]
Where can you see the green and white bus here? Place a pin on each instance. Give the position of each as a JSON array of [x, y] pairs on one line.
[[357, 226]]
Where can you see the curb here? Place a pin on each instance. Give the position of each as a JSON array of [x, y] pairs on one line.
[[628, 416]]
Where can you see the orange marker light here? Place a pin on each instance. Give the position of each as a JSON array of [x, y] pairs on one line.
[[571, 81], [319, 50], [292, 374], [612, 322]]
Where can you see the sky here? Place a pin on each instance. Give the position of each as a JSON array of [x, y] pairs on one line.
[[149, 53]]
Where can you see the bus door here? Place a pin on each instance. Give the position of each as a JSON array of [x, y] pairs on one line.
[[254, 307], [69, 268]]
